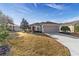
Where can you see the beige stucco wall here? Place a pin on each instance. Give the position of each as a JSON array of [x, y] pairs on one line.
[[50, 28], [70, 26]]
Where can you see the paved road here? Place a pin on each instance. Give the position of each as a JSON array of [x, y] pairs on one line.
[[69, 41]]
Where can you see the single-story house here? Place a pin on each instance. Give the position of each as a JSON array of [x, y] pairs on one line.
[[8, 25], [17, 28], [13, 27], [46, 27]]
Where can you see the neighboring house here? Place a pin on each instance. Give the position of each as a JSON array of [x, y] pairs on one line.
[[46, 27], [10, 26], [17, 28], [13, 27]]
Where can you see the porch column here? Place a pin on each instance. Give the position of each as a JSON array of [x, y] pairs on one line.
[[42, 28]]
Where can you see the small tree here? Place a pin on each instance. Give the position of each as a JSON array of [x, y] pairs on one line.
[[65, 28], [6, 20], [24, 25]]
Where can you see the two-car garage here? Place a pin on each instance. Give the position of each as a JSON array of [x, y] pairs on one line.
[[50, 28]]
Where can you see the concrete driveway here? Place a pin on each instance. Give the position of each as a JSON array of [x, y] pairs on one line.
[[71, 42]]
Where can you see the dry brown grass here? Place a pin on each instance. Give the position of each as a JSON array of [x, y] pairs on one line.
[[35, 45]]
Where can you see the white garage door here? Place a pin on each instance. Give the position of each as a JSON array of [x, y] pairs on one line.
[[51, 28]]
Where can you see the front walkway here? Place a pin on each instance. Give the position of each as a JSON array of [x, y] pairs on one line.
[[72, 43]]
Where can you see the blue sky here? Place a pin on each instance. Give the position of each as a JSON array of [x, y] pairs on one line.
[[37, 12]]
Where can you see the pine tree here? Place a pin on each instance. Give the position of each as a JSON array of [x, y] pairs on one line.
[[24, 25]]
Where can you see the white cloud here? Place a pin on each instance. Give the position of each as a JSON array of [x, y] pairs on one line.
[[56, 6], [21, 8]]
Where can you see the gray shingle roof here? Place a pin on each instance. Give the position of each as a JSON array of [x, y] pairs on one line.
[[44, 23]]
